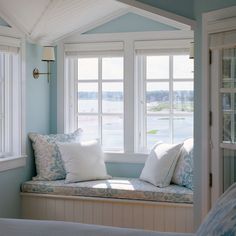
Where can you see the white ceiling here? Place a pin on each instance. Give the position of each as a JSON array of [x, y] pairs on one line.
[[47, 21]]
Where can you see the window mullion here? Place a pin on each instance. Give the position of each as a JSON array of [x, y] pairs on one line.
[[171, 94], [100, 99]]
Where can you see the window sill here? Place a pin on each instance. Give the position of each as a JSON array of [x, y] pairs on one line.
[[125, 157], [8, 163]]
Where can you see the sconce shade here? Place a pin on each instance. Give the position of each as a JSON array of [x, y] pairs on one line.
[[48, 54], [191, 51]]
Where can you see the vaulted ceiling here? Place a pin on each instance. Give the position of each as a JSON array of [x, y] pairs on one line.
[[46, 21]]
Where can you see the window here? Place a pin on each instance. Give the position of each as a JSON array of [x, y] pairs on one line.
[[166, 98], [99, 99], [10, 102], [129, 96]]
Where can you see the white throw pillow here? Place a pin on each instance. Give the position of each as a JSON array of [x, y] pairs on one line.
[[183, 174], [83, 161], [160, 165]]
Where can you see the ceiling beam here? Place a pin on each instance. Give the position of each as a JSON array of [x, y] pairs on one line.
[[160, 12], [42, 20], [12, 21]]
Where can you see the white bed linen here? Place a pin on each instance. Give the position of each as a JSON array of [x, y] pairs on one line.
[[12, 227]]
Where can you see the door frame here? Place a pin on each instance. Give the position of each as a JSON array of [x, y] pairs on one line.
[[212, 22]]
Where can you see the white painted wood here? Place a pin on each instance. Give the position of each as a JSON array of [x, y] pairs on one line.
[[180, 225], [128, 216], [91, 47], [163, 44], [216, 160], [97, 213], [40, 20], [69, 210], [148, 217], [211, 23], [112, 212], [159, 218], [107, 213], [149, 35], [129, 89], [8, 163], [117, 216]]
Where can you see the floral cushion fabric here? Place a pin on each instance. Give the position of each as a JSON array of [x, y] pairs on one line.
[[183, 174], [121, 188], [221, 220], [49, 165]]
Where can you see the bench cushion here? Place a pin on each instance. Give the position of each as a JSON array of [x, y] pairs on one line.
[[119, 188]]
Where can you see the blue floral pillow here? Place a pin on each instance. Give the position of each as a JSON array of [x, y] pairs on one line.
[[221, 220], [49, 165], [183, 174]]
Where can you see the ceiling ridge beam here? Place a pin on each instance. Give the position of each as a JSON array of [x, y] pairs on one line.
[[160, 12], [12, 21], [43, 18]]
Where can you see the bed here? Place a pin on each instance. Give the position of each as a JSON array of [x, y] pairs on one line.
[[11, 227], [221, 221]]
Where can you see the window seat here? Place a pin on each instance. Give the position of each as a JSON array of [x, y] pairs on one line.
[[118, 188], [121, 202]]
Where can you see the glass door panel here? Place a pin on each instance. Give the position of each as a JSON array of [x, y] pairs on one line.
[[228, 116]]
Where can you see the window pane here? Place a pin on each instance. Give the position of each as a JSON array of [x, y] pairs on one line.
[[89, 124], [112, 97], [158, 129], [229, 174], [112, 68], [183, 67], [229, 68], [157, 97], [183, 128], [157, 67], [88, 97], [112, 132], [183, 97], [87, 68]]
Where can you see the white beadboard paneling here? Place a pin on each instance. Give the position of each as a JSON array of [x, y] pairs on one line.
[[111, 212], [69, 210], [46, 21], [159, 218], [97, 213], [179, 216], [148, 217], [51, 209], [128, 216], [138, 216], [107, 214], [78, 208]]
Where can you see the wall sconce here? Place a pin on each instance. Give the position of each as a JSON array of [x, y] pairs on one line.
[[191, 51], [48, 55]]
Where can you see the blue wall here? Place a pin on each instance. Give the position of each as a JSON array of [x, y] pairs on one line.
[[37, 120], [180, 7], [130, 22], [53, 96]]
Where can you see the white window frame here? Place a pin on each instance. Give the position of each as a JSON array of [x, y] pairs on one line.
[[131, 42], [142, 82], [14, 105], [100, 81]]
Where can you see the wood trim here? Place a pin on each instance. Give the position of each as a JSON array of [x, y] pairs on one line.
[[110, 212], [208, 19]]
